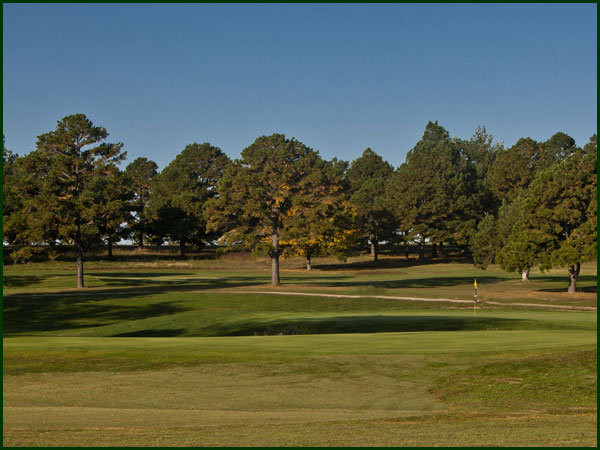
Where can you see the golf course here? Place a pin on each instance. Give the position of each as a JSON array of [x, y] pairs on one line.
[[205, 352], [299, 225]]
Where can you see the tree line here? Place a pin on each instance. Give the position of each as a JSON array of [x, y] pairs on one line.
[[533, 204]]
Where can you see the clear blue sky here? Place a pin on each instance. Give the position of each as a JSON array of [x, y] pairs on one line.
[[338, 77]]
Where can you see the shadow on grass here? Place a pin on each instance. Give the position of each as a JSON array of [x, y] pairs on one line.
[[39, 314], [12, 281], [586, 289], [393, 263], [140, 278], [141, 257], [153, 333], [564, 279], [374, 324], [412, 282], [15, 281], [109, 278], [126, 284], [77, 309], [23, 313]]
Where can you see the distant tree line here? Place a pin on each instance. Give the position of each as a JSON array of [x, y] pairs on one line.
[[533, 204]]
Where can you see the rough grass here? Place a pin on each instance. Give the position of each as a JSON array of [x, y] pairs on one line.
[[145, 428], [379, 389], [560, 379]]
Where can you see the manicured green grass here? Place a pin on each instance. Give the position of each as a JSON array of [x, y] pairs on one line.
[[181, 356], [175, 311]]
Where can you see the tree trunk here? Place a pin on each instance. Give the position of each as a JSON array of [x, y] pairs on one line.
[[375, 249], [442, 249], [573, 275], [421, 251], [141, 240], [182, 248], [525, 275], [110, 245], [80, 283], [308, 262], [275, 260], [79, 250], [434, 252]]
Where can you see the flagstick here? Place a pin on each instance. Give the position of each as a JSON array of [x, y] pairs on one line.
[[474, 296]]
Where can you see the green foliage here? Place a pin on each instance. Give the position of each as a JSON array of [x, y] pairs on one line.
[[433, 191], [592, 146], [497, 240], [180, 192], [138, 176], [557, 218], [559, 147], [322, 224], [480, 152], [57, 183], [514, 169], [518, 255], [263, 194], [368, 176], [11, 199], [110, 195], [560, 215], [485, 243], [368, 166], [528, 178]]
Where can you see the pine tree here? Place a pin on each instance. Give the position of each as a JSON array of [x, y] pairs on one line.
[[261, 194], [560, 214], [59, 202], [138, 176], [432, 192], [179, 194], [368, 176]]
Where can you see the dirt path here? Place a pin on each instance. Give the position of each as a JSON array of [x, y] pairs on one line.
[[415, 299]]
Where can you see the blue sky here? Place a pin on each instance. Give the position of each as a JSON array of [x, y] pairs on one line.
[[338, 77]]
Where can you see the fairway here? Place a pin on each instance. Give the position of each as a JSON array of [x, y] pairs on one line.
[[184, 358]]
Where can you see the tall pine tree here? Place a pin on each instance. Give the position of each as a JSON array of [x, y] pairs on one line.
[[262, 193], [63, 167]]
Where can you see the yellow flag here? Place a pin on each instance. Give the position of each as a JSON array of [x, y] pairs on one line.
[[475, 284]]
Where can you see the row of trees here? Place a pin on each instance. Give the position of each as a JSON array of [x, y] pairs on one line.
[[532, 204]]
